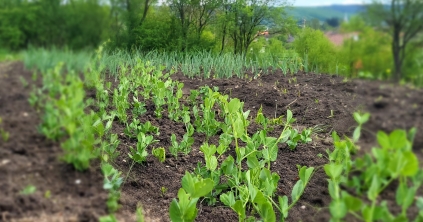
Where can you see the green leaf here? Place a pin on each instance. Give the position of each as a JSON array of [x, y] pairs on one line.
[[185, 210], [398, 139], [239, 129], [284, 136], [175, 211], [367, 213], [203, 187], [283, 204], [188, 182], [412, 134], [30, 189], [412, 164], [381, 213], [356, 134], [338, 209], [419, 203], [332, 190], [333, 170], [266, 211], [352, 203], [228, 198], [208, 150], [239, 208], [211, 163], [383, 140], [305, 174], [234, 105], [228, 165], [252, 161], [373, 191], [297, 190], [288, 116], [159, 153], [405, 195]]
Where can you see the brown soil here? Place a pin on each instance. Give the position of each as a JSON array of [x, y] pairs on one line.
[[311, 98]]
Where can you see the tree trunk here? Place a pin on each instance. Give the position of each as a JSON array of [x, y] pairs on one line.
[[396, 52]]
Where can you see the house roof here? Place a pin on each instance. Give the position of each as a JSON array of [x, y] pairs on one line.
[[339, 38]]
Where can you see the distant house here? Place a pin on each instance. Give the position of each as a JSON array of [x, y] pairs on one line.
[[339, 38]]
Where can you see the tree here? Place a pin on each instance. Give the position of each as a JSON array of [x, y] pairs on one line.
[[128, 16], [333, 22], [402, 19], [251, 17], [193, 14]]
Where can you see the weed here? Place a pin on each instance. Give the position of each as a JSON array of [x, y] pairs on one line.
[[163, 191], [4, 135], [30, 189]]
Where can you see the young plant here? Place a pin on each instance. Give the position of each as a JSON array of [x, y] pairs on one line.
[[28, 190], [360, 119], [120, 99], [112, 183], [392, 161], [261, 119], [140, 154], [184, 146], [133, 129], [192, 189], [139, 107], [159, 153], [109, 149], [4, 135]]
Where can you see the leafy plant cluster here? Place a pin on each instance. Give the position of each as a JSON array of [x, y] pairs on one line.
[[64, 119], [356, 185], [251, 190]]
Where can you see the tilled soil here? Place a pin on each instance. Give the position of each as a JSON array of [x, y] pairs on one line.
[[322, 101]]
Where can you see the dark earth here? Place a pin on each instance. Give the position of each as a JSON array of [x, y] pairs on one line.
[[64, 194]]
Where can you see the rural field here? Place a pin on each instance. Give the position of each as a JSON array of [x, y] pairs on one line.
[[148, 143]]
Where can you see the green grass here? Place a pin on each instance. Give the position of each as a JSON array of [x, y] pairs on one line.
[[6, 55], [201, 64], [45, 59]]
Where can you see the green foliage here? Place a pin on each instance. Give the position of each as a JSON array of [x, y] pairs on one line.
[[63, 101], [112, 183], [46, 23], [375, 171], [159, 153], [321, 53], [4, 134], [360, 119], [140, 154], [369, 53], [43, 59], [192, 189], [28, 190]]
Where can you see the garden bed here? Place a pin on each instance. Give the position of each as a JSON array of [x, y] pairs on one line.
[[323, 102]]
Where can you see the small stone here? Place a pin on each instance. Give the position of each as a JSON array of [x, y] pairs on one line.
[[25, 114], [303, 207], [4, 162], [78, 181]]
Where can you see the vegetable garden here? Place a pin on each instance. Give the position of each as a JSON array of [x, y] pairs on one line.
[[115, 138]]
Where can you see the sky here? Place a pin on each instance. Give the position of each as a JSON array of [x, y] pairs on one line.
[[327, 2]]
